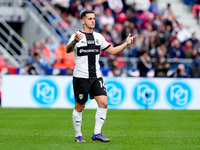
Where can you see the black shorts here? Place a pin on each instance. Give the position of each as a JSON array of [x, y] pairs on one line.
[[83, 87]]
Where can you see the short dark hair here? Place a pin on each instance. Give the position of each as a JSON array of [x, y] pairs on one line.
[[83, 14]]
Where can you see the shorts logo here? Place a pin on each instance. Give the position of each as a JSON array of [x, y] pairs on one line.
[[70, 94], [145, 94], [80, 96], [115, 93], [45, 92], [179, 95]]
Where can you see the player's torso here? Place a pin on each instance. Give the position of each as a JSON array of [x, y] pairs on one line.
[[87, 52]]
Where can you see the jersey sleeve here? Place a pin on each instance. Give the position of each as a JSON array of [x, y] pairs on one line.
[[104, 44], [71, 39]]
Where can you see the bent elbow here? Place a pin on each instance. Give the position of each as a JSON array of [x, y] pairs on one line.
[[68, 50], [114, 53]]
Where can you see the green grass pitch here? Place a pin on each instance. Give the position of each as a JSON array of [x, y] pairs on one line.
[[52, 129]]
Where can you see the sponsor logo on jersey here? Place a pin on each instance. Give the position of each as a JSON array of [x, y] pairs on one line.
[[45, 92], [145, 94], [88, 51], [179, 95], [90, 41]]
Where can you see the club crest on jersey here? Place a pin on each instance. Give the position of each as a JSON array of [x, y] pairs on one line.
[[80, 96], [97, 41]]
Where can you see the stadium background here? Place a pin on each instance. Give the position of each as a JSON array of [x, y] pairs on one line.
[[44, 27], [26, 122]]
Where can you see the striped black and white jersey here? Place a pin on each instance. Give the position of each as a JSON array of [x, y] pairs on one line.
[[87, 53]]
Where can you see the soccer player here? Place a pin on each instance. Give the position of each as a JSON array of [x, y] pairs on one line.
[[87, 79]]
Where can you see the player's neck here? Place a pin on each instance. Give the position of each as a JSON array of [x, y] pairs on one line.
[[87, 30]]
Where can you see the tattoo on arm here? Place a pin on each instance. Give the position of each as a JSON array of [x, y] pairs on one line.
[[70, 47]]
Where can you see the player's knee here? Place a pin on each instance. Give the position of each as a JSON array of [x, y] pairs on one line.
[[104, 104], [79, 108]]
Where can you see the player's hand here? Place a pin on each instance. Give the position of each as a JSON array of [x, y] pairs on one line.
[[130, 39], [78, 37]]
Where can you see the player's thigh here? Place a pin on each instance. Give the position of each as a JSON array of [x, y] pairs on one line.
[[101, 101], [98, 88], [81, 89]]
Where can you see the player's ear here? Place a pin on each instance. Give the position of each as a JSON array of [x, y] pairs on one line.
[[83, 21]]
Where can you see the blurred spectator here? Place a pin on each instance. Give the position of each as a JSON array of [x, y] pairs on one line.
[[116, 6], [86, 5], [142, 5], [126, 29], [179, 72], [106, 19], [161, 66], [188, 49], [38, 62], [157, 21], [194, 39], [47, 53], [146, 18], [139, 43], [175, 50], [154, 9], [28, 69], [183, 33], [163, 35], [69, 71], [116, 34], [165, 50], [195, 66], [62, 5], [69, 60], [166, 12], [115, 72], [131, 15], [106, 35], [98, 9], [144, 64], [150, 37], [75, 8], [36, 45], [197, 46], [51, 45], [63, 60], [60, 54], [173, 36]]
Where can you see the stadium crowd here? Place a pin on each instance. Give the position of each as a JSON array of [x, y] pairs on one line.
[[160, 38]]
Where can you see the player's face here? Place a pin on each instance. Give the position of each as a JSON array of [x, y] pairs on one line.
[[89, 21]]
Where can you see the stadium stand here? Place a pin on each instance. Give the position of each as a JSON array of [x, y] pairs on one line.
[[51, 24]]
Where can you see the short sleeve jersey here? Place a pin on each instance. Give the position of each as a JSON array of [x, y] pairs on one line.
[[87, 53]]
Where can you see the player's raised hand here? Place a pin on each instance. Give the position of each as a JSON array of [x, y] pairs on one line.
[[130, 39], [78, 36]]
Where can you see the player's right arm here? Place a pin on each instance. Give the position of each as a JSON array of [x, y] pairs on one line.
[[70, 46]]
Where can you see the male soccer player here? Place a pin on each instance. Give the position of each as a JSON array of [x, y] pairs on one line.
[[87, 79]]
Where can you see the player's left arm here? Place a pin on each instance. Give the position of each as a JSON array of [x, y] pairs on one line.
[[116, 50]]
